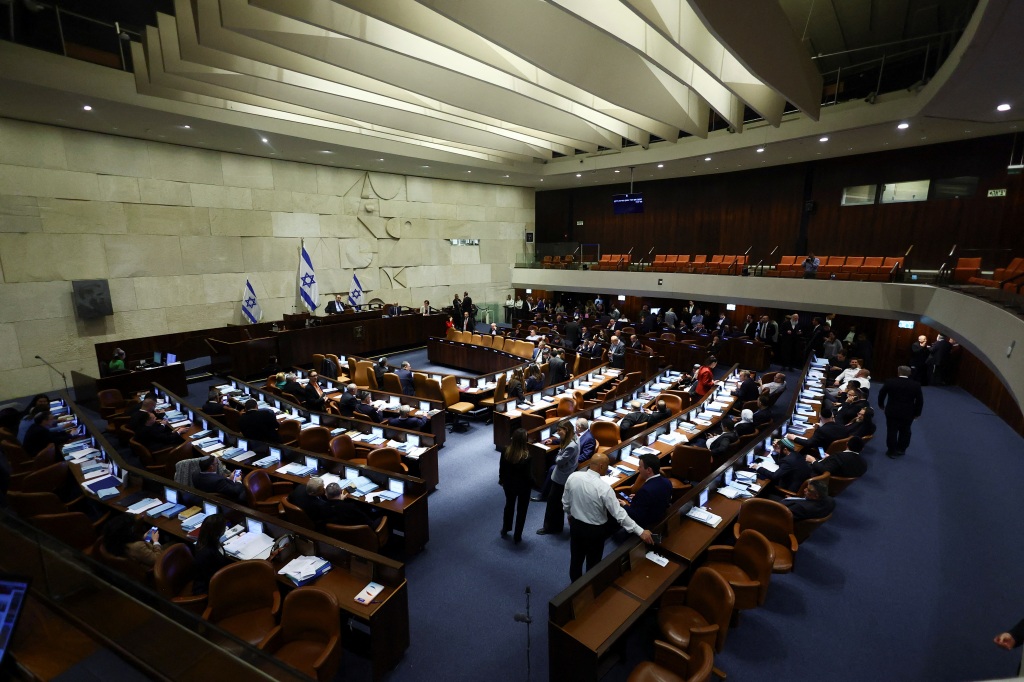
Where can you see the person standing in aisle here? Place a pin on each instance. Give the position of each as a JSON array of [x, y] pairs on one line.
[[514, 477], [902, 401]]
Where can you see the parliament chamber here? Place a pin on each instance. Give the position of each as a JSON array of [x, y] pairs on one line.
[[312, 271]]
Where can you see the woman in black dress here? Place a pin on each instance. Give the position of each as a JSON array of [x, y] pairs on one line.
[[514, 477], [209, 555]]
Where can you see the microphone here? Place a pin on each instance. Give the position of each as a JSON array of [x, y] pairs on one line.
[[523, 618]]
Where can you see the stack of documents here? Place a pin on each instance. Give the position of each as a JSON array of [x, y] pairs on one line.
[[732, 492], [193, 522], [303, 569], [267, 461], [143, 505], [247, 546], [297, 469], [672, 438], [704, 516]]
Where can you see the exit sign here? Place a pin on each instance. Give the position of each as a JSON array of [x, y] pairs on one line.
[[997, 192]]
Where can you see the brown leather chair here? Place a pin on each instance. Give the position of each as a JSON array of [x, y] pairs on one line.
[[263, 494], [803, 528], [149, 457], [55, 478], [392, 384], [387, 459], [27, 505], [173, 575], [673, 402], [230, 418], [774, 521], [837, 446], [372, 539], [309, 636], [288, 431], [337, 363], [802, 490], [419, 382], [315, 439], [318, 359], [16, 455], [133, 569], [565, 407], [672, 665], [499, 392], [697, 614], [364, 373], [689, 463], [296, 515], [747, 567], [452, 404], [74, 529], [111, 400], [244, 600], [606, 434], [43, 458], [341, 447], [837, 484]]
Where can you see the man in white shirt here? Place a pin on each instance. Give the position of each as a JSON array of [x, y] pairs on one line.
[[425, 308], [589, 501], [509, 307]]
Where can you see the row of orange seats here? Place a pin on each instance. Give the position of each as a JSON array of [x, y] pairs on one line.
[[615, 261], [717, 265], [1010, 278], [865, 268], [556, 262]]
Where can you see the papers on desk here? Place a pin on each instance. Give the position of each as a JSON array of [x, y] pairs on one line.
[[768, 464], [604, 418], [645, 450], [209, 446], [304, 569], [193, 522], [704, 516], [177, 424], [799, 428], [672, 438], [247, 546], [657, 558], [297, 469], [95, 472], [368, 593], [732, 492], [237, 454], [329, 390], [701, 422], [267, 461], [201, 435], [159, 509], [630, 459], [143, 505], [105, 483], [689, 428], [746, 476], [364, 486], [387, 495]]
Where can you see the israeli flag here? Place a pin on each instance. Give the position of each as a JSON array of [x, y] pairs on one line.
[[308, 287], [251, 309], [355, 294]]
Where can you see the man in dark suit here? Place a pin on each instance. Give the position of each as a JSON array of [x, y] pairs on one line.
[[747, 390], [588, 445], [902, 401], [763, 413], [405, 377], [793, 467], [919, 352], [937, 360], [405, 420], [348, 401], [39, 435], [309, 497], [791, 341], [572, 333], [293, 387], [365, 407], [637, 415], [815, 504], [258, 424], [848, 463], [209, 481], [340, 510], [827, 432], [467, 307], [816, 337], [335, 307], [151, 433], [851, 407], [558, 369], [648, 506]]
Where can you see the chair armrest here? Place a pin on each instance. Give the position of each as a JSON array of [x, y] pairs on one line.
[[721, 553], [704, 633], [282, 487], [277, 604], [98, 523], [668, 656], [745, 585], [328, 648], [674, 596], [270, 640], [271, 508], [193, 600], [793, 544]]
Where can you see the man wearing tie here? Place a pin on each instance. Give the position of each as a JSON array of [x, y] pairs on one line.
[[467, 307], [335, 307]]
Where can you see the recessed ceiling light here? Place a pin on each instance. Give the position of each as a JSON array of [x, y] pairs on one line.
[[542, 179], [1003, 107], [661, 165], [264, 140], [424, 166], [707, 158], [380, 159], [615, 171], [469, 171], [579, 175], [759, 150], [187, 127], [903, 126], [326, 151], [87, 108], [823, 139], [506, 176]]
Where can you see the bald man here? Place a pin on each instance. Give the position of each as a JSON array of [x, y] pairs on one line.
[[589, 501]]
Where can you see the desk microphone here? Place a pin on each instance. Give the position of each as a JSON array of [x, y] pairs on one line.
[[525, 618]]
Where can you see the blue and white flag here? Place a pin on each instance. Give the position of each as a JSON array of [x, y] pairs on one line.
[[355, 295], [308, 287], [251, 309]]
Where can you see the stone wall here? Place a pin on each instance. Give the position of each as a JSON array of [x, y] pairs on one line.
[[177, 231]]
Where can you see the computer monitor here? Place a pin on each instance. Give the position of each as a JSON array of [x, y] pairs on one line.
[[158, 358], [13, 592], [171, 358]]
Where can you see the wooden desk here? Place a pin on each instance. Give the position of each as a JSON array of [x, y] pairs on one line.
[[479, 359], [87, 387]]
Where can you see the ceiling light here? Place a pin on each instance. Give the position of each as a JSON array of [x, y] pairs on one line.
[[424, 166], [1003, 107], [661, 165], [326, 151], [707, 158], [579, 175], [187, 127], [469, 171], [542, 179], [380, 159], [506, 176], [615, 171], [823, 139], [759, 150], [903, 126], [264, 140], [87, 108]]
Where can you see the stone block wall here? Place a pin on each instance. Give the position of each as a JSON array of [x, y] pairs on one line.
[[178, 230]]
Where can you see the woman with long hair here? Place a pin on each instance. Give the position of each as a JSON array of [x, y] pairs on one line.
[[209, 554], [565, 463], [514, 477], [515, 386]]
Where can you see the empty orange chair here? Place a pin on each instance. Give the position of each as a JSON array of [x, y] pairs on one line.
[[965, 269], [309, 636], [853, 263], [244, 600]]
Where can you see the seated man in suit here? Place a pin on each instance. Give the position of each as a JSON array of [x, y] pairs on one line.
[[763, 415], [258, 424], [853, 402], [748, 389], [213, 406], [405, 420], [209, 481], [773, 383], [815, 504], [793, 468], [637, 415], [40, 435], [720, 443], [365, 407], [827, 432], [340, 510], [335, 307], [348, 400], [617, 353], [648, 506], [848, 463], [309, 497], [152, 433], [313, 393], [293, 387], [405, 377], [659, 413], [635, 343]]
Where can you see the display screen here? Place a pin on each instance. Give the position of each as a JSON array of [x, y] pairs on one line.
[[627, 203]]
